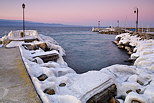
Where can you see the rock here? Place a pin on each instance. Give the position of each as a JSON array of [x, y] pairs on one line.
[[128, 91], [138, 91], [129, 53], [127, 44], [30, 40], [104, 96], [0, 42], [118, 39], [140, 82], [33, 47], [130, 60], [112, 100], [121, 46], [123, 97], [49, 91], [62, 84], [33, 53], [42, 77], [43, 46], [117, 101], [115, 42], [30, 47], [128, 48], [48, 57], [22, 34]]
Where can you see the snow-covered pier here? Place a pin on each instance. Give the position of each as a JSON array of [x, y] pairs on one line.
[[55, 82], [111, 30]]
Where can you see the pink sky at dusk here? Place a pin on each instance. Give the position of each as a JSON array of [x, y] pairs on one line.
[[80, 12]]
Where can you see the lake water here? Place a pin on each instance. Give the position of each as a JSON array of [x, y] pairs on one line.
[[85, 50]]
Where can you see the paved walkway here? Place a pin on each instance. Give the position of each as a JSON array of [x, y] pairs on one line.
[[15, 84]]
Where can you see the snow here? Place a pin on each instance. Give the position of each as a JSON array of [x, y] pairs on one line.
[[75, 89], [90, 79], [144, 50], [144, 68], [52, 44], [67, 99], [29, 34], [134, 82], [14, 43], [150, 32], [135, 97], [44, 53], [59, 72], [1, 45]]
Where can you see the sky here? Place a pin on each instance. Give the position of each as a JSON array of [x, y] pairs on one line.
[[81, 12]]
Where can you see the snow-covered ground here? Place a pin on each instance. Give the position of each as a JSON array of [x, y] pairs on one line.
[[133, 82], [143, 51]]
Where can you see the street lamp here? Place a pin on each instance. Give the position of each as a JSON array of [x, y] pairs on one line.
[[136, 11], [99, 24], [23, 6], [118, 23]]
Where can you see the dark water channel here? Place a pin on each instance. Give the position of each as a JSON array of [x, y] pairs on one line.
[[85, 50]]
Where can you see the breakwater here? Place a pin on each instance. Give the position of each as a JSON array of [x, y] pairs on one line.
[[120, 30], [129, 48], [111, 30]]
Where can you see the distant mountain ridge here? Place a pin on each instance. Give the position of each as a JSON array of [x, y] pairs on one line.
[[4, 22]]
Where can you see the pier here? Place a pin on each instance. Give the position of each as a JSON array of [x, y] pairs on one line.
[[120, 30], [112, 30], [15, 83]]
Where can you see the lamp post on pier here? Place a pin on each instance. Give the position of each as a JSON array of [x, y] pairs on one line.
[[136, 11], [23, 6], [99, 24], [118, 23]]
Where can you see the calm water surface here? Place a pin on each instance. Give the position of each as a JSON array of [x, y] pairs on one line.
[[85, 50]]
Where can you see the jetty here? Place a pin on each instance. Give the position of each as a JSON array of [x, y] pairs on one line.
[[15, 83], [111, 30], [120, 30], [42, 58]]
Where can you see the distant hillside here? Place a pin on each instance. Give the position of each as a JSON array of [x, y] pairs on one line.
[[4, 22]]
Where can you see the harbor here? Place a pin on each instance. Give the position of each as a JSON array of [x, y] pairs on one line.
[[43, 60], [57, 53]]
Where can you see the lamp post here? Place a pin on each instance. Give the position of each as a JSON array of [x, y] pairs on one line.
[[23, 6], [118, 23], [99, 24], [136, 11]]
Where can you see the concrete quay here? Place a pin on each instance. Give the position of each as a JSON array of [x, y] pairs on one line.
[[15, 83]]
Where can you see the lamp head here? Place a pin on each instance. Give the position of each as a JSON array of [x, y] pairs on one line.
[[23, 5]]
